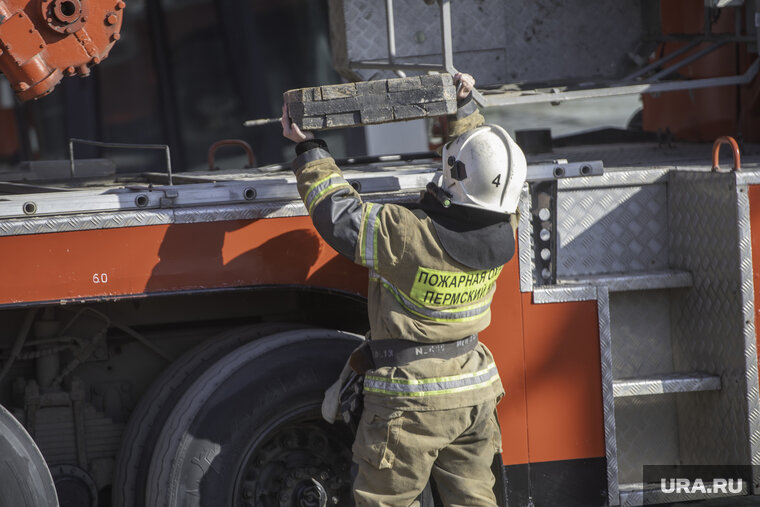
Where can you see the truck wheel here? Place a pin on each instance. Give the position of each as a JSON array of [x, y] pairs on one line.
[[156, 404], [25, 480], [248, 431]]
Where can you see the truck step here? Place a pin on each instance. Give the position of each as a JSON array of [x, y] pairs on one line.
[[668, 383], [652, 494], [644, 280]]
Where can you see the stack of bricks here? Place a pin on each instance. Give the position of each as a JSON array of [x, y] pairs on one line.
[[371, 102]]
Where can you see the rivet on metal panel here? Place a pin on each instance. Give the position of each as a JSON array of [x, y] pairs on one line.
[[544, 198], [30, 208]]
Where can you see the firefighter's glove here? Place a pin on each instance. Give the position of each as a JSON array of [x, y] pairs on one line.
[[331, 403]]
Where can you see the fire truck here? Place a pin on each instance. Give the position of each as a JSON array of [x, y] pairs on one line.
[[168, 333]]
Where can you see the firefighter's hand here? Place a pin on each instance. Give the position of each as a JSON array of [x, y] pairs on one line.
[[464, 83], [290, 130]]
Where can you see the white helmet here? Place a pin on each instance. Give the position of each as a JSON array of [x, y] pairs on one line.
[[484, 168]]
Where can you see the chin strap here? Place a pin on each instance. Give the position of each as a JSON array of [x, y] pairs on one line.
[[439, 194]]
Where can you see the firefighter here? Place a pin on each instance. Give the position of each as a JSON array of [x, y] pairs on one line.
[[430, 396]]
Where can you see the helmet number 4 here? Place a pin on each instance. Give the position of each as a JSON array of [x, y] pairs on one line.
[[497, 180]]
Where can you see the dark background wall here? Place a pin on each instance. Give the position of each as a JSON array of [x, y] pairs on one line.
[[185, 73]]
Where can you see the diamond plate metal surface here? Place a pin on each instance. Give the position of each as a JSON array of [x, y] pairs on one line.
[[647, 434], [749, 176], [562, 294], [633, 495], [641, 344], [525, 241], [479, 38], [634, 281], [488, 28], [713, 323], [612, 230], [112, 220], [608, 400], [211, 213], [663, 384]]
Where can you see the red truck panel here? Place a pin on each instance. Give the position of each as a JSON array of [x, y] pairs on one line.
[[539, 349], [754, 218], [136, 260]]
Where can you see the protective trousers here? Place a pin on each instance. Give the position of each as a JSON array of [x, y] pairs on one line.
[[398, 451]]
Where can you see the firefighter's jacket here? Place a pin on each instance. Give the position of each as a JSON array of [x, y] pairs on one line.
[[417, 291]]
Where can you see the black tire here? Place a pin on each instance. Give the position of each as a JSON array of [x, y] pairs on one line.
[[25, 480], [157, 403], [249, 432]]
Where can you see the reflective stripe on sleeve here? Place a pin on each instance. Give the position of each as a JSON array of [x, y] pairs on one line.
[[321, 187], [431, 386], [368, 251], [461, 314]]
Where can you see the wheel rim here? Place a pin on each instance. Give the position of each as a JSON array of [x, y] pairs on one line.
[[298, 461]]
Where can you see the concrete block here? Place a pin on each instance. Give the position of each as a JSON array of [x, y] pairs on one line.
[[408, 112], [301, 95], [430, 80], [371, 102], [404, 83], [372, 88], [310, 122], [440, 108], [342, 120], [334, 106], [338, 91], [372, 116]]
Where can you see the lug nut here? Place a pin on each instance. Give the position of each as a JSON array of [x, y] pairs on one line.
[[111, 19], [120, 5], [115, 37]]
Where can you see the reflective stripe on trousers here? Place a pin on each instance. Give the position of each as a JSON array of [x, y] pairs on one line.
[[431, 386]]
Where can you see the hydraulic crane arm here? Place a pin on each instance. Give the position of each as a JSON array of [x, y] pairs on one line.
[[43, 40]]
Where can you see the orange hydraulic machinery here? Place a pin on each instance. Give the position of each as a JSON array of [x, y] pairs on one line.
[[41, 41]]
